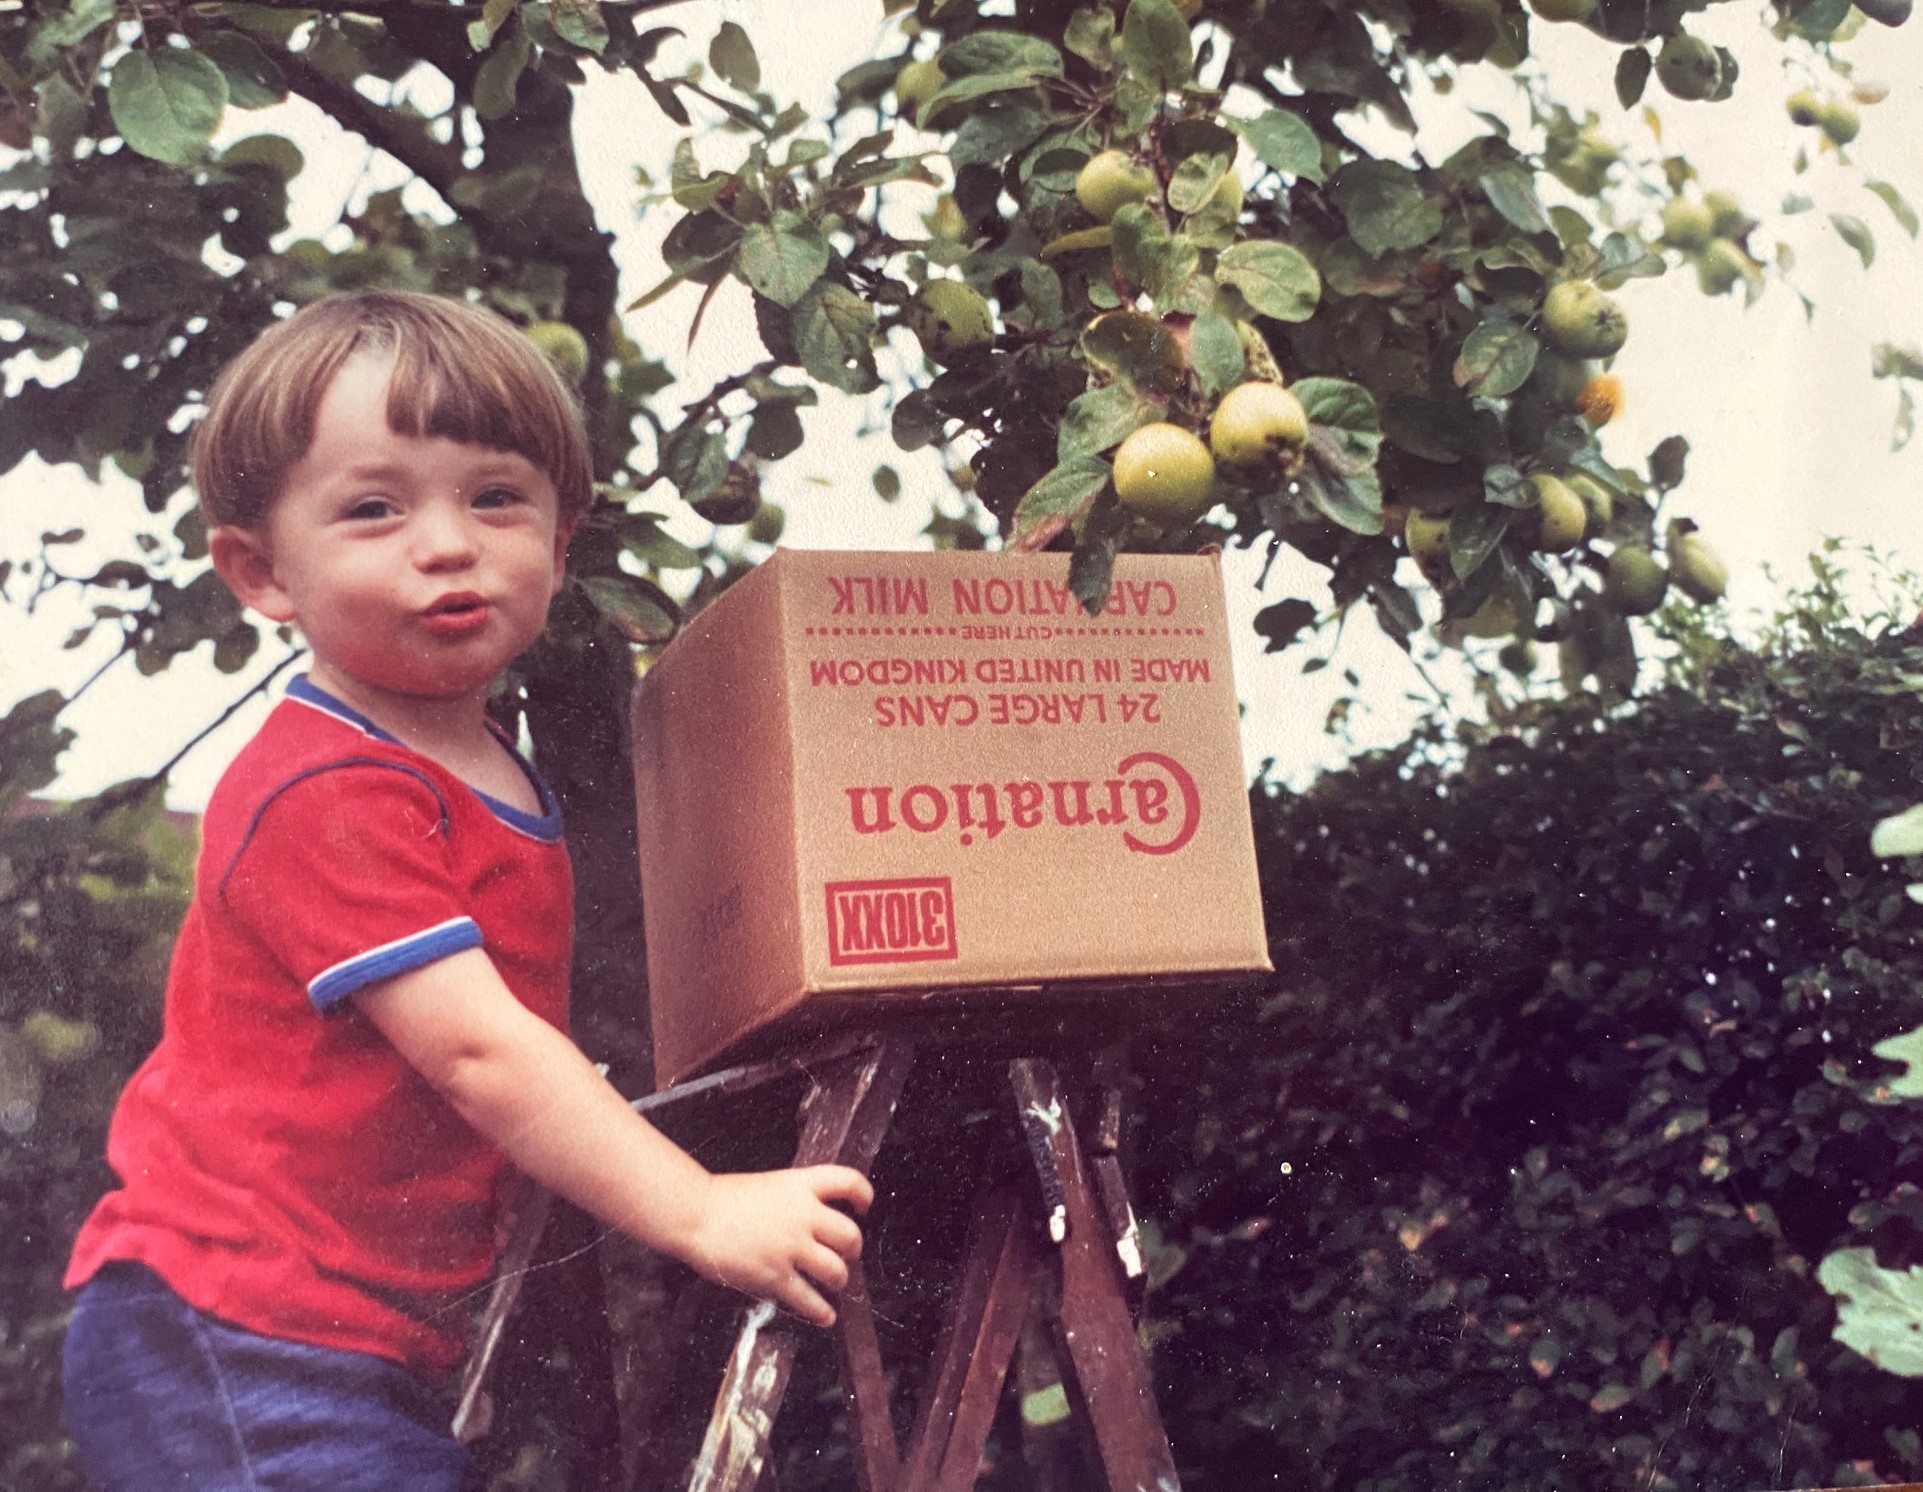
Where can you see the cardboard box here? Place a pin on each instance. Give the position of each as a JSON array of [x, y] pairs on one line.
[[869, 777]]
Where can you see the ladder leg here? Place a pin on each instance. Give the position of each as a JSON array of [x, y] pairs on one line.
[[844, 1116], [865, 1388], [978, 1338], [1095, 1331]]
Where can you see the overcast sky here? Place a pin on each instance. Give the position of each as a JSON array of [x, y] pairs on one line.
[[1790, 436]]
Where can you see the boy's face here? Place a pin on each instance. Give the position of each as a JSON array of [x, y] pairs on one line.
[[414, 566]]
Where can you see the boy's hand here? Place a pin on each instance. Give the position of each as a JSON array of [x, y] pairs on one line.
[[773, 1235]]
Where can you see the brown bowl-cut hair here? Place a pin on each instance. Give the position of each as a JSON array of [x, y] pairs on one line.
[[460, 372]]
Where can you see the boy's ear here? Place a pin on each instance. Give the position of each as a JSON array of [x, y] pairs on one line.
[[563, 536], [241, 558]]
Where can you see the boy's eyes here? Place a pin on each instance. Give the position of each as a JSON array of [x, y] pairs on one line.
[[367, 509]]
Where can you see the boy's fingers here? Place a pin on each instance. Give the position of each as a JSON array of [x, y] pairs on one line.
[[842, 1184], [805, 1301], [840, 1233], [825, 1267]]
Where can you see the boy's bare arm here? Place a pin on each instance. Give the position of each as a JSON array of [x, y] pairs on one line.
[[530, 1090]]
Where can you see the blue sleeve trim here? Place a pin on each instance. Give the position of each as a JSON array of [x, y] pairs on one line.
[[328, 988]]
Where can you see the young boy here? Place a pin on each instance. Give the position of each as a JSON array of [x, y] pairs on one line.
[[366, 1010]]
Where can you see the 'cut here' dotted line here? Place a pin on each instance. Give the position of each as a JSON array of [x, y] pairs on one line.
[[984, 626]]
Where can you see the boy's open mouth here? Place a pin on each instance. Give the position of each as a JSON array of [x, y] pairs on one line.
[[460, 612]]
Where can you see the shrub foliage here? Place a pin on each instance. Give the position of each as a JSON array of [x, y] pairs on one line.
[[1521, 1173]]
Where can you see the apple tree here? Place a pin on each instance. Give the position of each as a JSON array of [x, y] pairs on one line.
[[1185, 277]]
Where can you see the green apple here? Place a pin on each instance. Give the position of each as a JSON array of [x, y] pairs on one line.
[[1581, 321], [1111, 181], [1165, 474]]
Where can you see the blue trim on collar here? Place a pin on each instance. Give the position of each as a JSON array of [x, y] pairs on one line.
[[545, 825]]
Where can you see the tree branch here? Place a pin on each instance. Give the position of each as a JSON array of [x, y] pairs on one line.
[[437, 164]]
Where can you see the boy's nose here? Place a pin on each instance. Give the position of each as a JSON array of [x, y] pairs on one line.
[[443, 539]]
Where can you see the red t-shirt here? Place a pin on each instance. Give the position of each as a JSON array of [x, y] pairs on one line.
[[281, 1165]]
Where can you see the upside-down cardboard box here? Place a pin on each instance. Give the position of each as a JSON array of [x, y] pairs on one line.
[[869, 777]]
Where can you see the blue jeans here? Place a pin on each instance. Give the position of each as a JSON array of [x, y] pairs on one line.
[[161, 1397]]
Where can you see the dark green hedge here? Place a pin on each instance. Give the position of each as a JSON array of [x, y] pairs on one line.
[[1520, 1173]]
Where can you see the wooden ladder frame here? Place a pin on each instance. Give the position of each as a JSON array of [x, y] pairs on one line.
[[1067, 1242]]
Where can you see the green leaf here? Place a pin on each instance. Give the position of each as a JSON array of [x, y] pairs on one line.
[[1345, 411], [33, 743], [1890, 360], [278, 153], [732, 55], [1137, 349], [504, 198], [643, 537], [1624, 258], [887, 483], [494, 14], [1091, 568], [1195, 180], [1511, 189], [167, 103], [1496, 359], [1668, 462], [1880, 1311], [581, 23], [1503, 485], [1274, 278], [640, 610], [696, 461], [1156, 44], [1611, 1398], [915, 422], [1384, 206], [1150, 256], [775, 432], [1818, 19], [1632, 75], [1900, 834], [834, 333], [1432, 428], [805, 153], [782, 258], [1856, 233], [1283, 141], [1000, 52], [990, 135], [975, 85], [1899, 207], [1282, 623], [1475, 529], [254, 80], [277, 23], [1041, 292], [1101, 419], [1091, 36], [1056, 501], [1216, 351], [499, 76], [702, 241], [1352, 501], [1907, 1049]]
